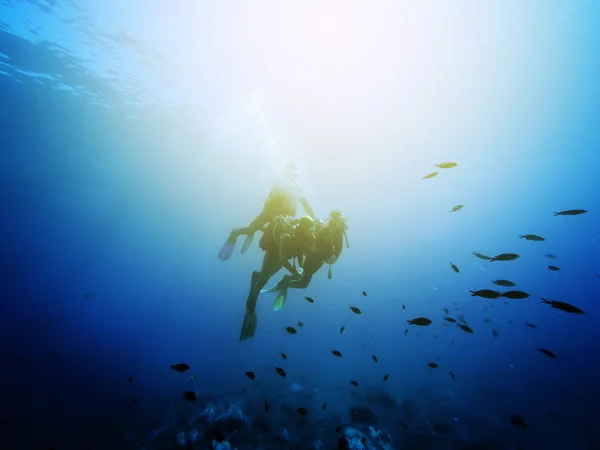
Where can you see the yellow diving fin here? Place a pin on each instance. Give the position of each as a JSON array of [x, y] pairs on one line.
[[280, 300]]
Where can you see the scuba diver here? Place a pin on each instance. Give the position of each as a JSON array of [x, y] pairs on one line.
[[282, 200], [328, 245], [283, 240]]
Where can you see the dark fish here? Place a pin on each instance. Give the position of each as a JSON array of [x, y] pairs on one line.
[[530, 325], [486, 320], [515, 295], [364, 293], [464, 328], [283, 355], [374, 358], [550, 255], [570, 212], [405, 332], [454, 268], [431, 175], [505, 283], [309, 299], [355, 310], [421, 321], [337, 430], [433, 365], [452, 341], [485, 293], [553, 268], [280, 371], [452, 375], [532, 237], [302, 411], [343, 329], [446, 310], [456, 208], [386, 376], [480, 256], [133, 401], [354, 383], [566, 307], [190, 396], [516, 419], [461, 319], [324, 406], [290, 330], [403, 306], [181, 367], [266, 406], [446, 165], [547, 352], [495, 333], [300, 324], [337, 353], [250, 375], [130, 378], [504, 257], [450, 319]]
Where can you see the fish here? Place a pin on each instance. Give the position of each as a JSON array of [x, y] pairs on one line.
[[446, 310], [354, 383], [433, 365], [181, 367], [495, 333], [461, 319], [337, 353], [133, 401], [190, 396], [570, 212], [405, 332], [450, 319], [324, 406], [283, 355], [337, 430], [364, 293], [547, 352], [374, 358], [505, 283], [302, 411], [421, 321], [250, 375], [516, 419], [355, 310], [486, 320], [300, 324], [446, 165], [386, 376], [290, 330], [515, 295], [456, 208], [192, 378], [481, 256], [530, 325], [343, 329], [532, 237], [403, 306], [550, 255], [563, 306], [130, 378], [554, 268], [504, 257], [266, 406], [485, 293], [454, 268], [309, 299], [452, 375], [430, 175], [465, 328], [280, 371]]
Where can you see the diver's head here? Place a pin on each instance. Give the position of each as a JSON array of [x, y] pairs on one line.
[[305, 222], [291, 172], [338, 219]]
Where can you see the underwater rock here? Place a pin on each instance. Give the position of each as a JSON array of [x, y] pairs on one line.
[[318, 445], [221, 445], [180, 438], [382, 437], [283, 436]]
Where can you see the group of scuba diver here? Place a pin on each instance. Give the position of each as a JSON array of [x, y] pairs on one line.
[[302, 246]]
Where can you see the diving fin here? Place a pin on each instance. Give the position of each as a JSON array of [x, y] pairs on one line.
[[247, 242], [227, 249], [329, 274], [249, 325], [280, 300]]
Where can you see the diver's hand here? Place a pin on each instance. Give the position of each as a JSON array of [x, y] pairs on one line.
[[299, 271]]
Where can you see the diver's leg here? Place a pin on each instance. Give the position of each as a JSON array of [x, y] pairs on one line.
[[311, 266], [264, 217]]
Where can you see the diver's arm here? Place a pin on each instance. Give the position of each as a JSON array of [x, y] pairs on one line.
[[307, 208], [289, 267], [338, 246]]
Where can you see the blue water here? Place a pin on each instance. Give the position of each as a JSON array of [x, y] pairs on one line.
[[134, 137]]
